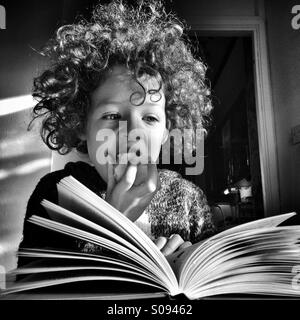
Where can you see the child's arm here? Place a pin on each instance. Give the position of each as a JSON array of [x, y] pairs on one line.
[[201, 224], [35, 236]]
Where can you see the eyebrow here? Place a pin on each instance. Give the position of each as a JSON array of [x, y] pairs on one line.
[[104, 103]]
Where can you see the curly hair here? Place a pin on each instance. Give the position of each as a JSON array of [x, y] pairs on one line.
[[145, 39]]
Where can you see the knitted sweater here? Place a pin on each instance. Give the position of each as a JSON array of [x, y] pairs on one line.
[[178, 206]]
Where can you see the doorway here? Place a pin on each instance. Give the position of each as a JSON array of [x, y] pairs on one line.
[[232, 172]]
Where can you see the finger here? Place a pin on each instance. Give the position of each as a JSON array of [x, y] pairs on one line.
[[110, 174], [119, 171], [153, 175], [174, 242], [121, 167], [128, 178], [160, 242], [151, 183], [140, 153], [186, 244]]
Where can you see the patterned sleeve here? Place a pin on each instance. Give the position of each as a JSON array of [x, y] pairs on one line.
[[201, 224]]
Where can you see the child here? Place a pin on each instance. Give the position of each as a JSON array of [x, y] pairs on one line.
[[129, 68]]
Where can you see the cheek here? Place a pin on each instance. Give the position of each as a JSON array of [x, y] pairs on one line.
[[100, 140], [98, 147], [93, 150], [155, 142], [102, 171]]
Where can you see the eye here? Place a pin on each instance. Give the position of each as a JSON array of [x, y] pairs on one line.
[[111, 116], [150, 119]]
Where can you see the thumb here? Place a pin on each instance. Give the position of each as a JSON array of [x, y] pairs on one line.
[[128, 178]]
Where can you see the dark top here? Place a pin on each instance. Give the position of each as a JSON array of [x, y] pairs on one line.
[[38, 237], [178, 206]]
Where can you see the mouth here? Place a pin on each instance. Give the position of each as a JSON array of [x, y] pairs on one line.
[[125, 157], [122, 158]]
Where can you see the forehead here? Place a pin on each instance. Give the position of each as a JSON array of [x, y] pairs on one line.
[[120, 86]]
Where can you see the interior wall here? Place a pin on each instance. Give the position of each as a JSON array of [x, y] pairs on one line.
[[284, 52], [192, 9], [23, 157], [29, 24]]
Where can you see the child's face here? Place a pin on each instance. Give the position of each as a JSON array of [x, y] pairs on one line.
[[114, 107]]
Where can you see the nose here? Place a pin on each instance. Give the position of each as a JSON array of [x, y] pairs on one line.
[[126, 126], [132, 122]]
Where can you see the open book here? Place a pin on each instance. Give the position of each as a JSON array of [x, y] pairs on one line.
[[252, 258]]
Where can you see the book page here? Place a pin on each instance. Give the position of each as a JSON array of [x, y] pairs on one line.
[[268, 222], [80, 200], [50, 258], [92, 207], [178, 259], [40, 282], [67, 217], [43, 268], [84, 296], [259, 259], [120, 250], [82, 208]]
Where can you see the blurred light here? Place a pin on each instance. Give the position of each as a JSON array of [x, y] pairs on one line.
[[26, 168], [18, 146], [230, 190], [16, 104]]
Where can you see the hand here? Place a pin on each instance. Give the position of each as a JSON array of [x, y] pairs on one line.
[[169, 245], [129, 198]]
